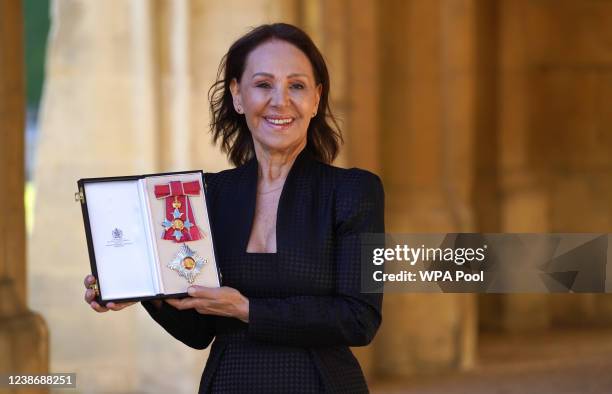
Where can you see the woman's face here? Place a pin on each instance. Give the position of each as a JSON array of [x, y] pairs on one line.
[[278, 96]]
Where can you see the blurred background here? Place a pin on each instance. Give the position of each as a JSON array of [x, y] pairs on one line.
[[479, 115]]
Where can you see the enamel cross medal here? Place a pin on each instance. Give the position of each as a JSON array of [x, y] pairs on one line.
[[180, 227]]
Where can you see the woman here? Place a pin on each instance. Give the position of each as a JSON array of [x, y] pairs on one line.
[[286, 227]]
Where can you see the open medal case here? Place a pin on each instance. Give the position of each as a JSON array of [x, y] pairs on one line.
[[148, 236]]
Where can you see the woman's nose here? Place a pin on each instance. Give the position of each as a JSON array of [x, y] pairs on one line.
[[280, 97]]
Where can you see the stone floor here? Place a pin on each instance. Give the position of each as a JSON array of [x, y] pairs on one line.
[[562, 362]]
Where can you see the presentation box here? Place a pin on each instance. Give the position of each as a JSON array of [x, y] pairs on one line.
[[148, 236]]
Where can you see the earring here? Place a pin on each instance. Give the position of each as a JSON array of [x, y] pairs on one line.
[[239, 109]]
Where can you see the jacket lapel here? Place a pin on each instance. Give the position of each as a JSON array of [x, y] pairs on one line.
[[246, 194], [291, 201]]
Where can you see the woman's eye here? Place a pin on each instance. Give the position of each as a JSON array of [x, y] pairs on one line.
[[297, 86], [263, 85]]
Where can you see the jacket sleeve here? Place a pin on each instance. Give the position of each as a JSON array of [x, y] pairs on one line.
[[188, 326], [348, 317]]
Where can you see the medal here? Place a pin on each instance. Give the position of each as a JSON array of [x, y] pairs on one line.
[[179, 223], [187, 263], [179, 226]]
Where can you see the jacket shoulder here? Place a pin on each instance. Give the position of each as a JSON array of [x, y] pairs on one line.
[[350, 180], [359, 200]]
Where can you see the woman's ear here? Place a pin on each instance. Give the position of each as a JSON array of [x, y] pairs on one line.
[[235, 90]]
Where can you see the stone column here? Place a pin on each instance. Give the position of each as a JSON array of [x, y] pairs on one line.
[[23, 333], [523, 193], [363, 136], [427, 111]]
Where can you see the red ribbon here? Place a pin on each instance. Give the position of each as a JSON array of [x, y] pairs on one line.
[[177, 192]]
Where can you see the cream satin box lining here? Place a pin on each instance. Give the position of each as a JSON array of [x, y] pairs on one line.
[[124, 223]]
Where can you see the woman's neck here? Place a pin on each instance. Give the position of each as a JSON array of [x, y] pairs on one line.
[[275, 165]]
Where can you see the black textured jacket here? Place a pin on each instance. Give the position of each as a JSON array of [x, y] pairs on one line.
[[310, 299]]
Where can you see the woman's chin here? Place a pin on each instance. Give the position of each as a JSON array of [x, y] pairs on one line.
[[279, 143]]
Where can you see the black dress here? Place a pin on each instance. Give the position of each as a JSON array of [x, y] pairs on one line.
[[305, 304], [291, 364]]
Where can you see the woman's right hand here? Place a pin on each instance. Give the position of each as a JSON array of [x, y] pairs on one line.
[[90, 296]]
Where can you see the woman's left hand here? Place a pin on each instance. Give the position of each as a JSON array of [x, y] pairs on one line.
[[221, 301]]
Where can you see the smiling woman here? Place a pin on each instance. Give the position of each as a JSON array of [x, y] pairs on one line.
[[277, 99], [286, 227], [282, 62]]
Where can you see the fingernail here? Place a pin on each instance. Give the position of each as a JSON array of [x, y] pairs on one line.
[[190, 291]]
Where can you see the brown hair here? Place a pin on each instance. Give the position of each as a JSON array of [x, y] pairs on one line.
[[323, 136]]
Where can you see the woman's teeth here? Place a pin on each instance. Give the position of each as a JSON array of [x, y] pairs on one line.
[[279, 121]]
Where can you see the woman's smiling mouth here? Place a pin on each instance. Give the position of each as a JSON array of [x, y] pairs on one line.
[[279, 122]]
